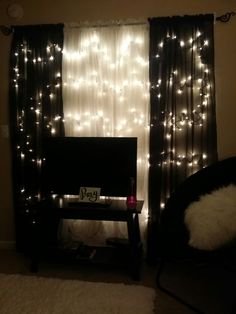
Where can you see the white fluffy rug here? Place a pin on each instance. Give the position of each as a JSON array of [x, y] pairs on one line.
[[37, 295]]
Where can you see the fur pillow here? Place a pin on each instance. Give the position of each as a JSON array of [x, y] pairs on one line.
[[211, 221]]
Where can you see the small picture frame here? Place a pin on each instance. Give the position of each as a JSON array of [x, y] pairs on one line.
[[89, 194]]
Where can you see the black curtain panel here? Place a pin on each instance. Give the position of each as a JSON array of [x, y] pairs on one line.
[[183, 117], [36, 111]]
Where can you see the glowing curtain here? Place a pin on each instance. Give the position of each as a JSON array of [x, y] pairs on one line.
[[35, 105], [182, 95], [106, 93]]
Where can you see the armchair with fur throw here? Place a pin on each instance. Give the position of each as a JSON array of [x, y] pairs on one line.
[[193, 195], [198, 228]]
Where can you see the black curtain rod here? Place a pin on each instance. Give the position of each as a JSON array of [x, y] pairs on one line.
[[222, 18]]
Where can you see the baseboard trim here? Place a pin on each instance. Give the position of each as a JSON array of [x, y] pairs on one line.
[[7, 245]]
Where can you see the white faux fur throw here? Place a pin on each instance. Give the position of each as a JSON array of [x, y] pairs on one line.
[[211, 221]]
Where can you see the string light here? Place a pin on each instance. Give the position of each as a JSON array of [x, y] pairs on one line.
[[173, 122], [187, 121]]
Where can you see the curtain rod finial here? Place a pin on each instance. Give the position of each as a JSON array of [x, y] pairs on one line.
[[5, 30], [225, 17]]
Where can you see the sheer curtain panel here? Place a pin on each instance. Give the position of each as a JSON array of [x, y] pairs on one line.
[[106, 94]]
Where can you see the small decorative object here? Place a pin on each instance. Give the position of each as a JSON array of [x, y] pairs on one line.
[[85, 252], [131, 200], [89, 194]]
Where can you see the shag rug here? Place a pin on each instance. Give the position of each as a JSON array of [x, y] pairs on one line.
[[31, 294]]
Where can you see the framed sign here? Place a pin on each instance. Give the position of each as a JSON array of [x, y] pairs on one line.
[[89, 194]]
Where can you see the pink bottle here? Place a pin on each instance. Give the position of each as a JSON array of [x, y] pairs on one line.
[[131, 200]]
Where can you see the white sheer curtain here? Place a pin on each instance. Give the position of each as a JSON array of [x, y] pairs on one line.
[[106, 93]]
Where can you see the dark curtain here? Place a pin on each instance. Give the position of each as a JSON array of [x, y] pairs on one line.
[[182, 118], [36, 112]]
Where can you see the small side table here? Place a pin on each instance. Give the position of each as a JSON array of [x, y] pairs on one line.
[[65, 208]]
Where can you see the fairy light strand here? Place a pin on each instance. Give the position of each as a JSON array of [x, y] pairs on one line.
[[173, 122]]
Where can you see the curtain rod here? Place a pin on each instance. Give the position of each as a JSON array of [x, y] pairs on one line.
[[128, 22], [222, 18]]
